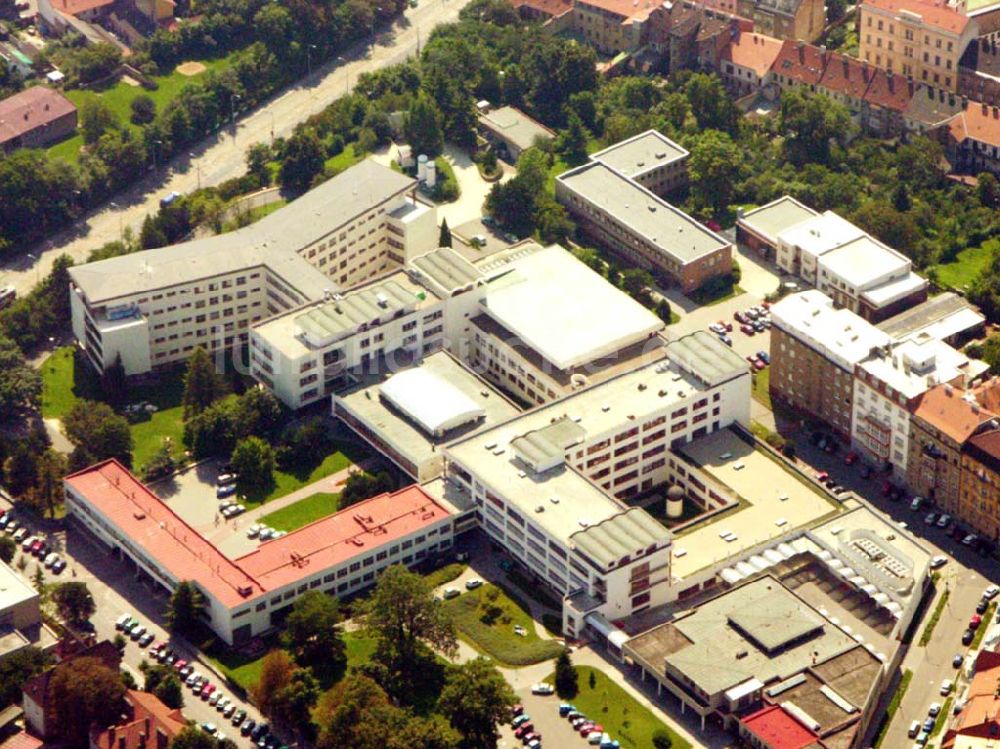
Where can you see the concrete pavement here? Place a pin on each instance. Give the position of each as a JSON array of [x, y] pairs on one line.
[[221, 156]]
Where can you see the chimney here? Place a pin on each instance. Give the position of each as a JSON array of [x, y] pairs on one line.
[[996, 112], [121, 742], [986, 109]]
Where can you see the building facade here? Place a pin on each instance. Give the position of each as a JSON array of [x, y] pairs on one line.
[[34, 118], [978, 503]]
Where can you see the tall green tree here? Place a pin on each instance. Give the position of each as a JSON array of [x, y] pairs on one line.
[[16, 669], [312, 633], [257, 413], [20, 384], [185, 607], [303, 160], [74, 602], [276, 673], [253, 460], [114, 384], [47, 492], [8, 548], [711, 104], [97, 433], [95, 119], [567, 684], [422, 127], [810, 123], [714, 167], [192, 737], [572, 142], [169, 692], [444, 238], [477, 699], [202, 383]]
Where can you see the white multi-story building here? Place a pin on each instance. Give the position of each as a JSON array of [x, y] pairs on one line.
[[546, 485], [153, 308], [887, 387]]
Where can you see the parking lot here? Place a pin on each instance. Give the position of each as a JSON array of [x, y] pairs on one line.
[[544, 711]]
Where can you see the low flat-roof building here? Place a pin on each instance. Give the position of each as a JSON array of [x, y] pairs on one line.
[[649, 158], [21, 622], [512, 131], [759, 228], [412, 413], [633, 222], [947, 317], [341, 553], [34, 118]]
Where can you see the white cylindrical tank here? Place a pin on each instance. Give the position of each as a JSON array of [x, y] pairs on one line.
[[422, 167], [675, 502], [430, 174]]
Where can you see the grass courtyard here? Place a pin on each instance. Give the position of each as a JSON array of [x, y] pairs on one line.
[[303, 512], [623, 717], [486, 617], [761, 388], [967, 266]]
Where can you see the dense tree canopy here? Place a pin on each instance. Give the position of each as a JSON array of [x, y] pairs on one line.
[[74, 602], [313, 635], [83, 691], [97, 433], [477, 699]]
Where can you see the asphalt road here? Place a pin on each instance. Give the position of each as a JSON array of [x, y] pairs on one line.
[[221, 156]]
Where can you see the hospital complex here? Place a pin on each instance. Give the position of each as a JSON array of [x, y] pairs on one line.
[[525, 398]]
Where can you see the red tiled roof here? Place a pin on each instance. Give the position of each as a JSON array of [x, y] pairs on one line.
[[979, 122], [148, 720], [21, 740], [799, 61], [32, 108], [545, 7], [889, 91], [336, 538], [624, 8], [935, 14], [845, 75], [944, 408], [179, 549], [76, 7], [778, 730], [982, 706], [755, 52]]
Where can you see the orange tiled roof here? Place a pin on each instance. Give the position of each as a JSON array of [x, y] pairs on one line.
[[545, 7], [799, 61], [977, 121], [624, 8], [755, 52], [982, 706], [944, 408], [76, 7], [149, 719], [32, 108], [21, 740], [845, 75], [889, 91], [935, 14]]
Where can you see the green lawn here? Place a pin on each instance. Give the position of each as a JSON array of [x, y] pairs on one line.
[[981, 631], [967, 266], [343, 160], [711, 294], [303, 512], [495, 636], [623, 717], [62, 385], [285, 483], [445, 574], [252, 216], [119, 98], [762, 387], [928, 632]]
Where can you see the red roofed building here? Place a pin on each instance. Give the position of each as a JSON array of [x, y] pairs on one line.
[[885, 102], [972, 138], [22, 740], [35, 117], [798, 64], [747, 61], [924, 39], [774, 728], [149, 724], [978, 725], [339, 554]]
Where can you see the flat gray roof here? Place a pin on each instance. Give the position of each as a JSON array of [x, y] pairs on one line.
[[446, 269], [770, 220], [706, 357], [641, 153], [928, 313], [326, 322], [273, 241], [667, 228], [14, 589], [619, 535], [515, 126]]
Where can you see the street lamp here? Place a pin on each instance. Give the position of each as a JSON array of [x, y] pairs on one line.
[[271, 112], [38, 261], [309, 61], [197, 166]]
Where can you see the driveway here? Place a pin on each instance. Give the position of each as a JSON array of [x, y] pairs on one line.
[[474, 188]]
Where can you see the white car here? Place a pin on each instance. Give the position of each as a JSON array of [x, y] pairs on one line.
[[938, 561], [473, 583], [222, 704], [520, 631], [946, 686], [253, 530], [991, 592], [934, 709], [51, 559], [542, 688], [214, 699], [943, 521]]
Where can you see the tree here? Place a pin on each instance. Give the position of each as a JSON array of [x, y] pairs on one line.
[[663, 310], [192, 737], [567, 685], [661, 739], [592, 680], [901, 198], [476, 699], [113, 382], [8, 548], [17, 668], [213, 431], [811, 121], [162, 462], [572, 142], [258, 158], [275, 675], [185, 608], [988, 190], [713, 166], [169, 692], [83, 692], [312, 634], [256, 412], [422, 127], [712, 106], [97, 433], [20, 384], [74, 602], [143, 110], [95, 119], [202, 383], [444, 238], [20, 470], [303, 160], [342, 711], [293, 703], [253, 461], [360, 486], [47, 492], [552, 221], [636, 282]]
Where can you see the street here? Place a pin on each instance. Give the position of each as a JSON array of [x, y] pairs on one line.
[[221, 156]]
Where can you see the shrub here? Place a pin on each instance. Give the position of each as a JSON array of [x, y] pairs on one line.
[[662, 740]]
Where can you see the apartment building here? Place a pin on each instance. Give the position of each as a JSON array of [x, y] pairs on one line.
[[611, 26], [641, 227], [545, 485], [887, 389], [972, 138], [850, 266], [978, 502], [815, 348], [944, 419], [651, 159], [250, 595], [785, 19], [153, 308], [918, 38]]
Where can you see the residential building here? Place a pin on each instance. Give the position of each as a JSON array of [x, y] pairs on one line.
[[20, 615], [785, 19], [944, 419], [815, 348], [697, 35], [651, 159], [838, 258], [918, 38], [250, 595], [642, 228], [547, 484], [747, 61], [972, 138], [412, 412], [947, 316], [154, 307], [612, 26], [977, 725], [34, 118], [887, 389], [35, 692], [511, 131], [929, 109], [147, 724], [978, 504]]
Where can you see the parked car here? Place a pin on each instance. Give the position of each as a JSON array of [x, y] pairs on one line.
[[137, 632], [247, 728], [207, 691], [225, 491], [958, 660], [934, 709], [982, 606], [225, 479], [59, 566], [930, 518], [991, 592], [970, 539], [122, 620], [747, 329], [542, 688], [564, 709], [520, 720], [230, 709], [851, 458], [946, 686], [938, 561], [967, 637], [758, 365], [726, 340], [214, 698], [916, 503], [145, 640], [914, 729], [451, 592], [944, 520], [764, 357], [253, 530], [473, 583], [758, 326], [975, 621], [740, 317], [239, 717], [728, 326]]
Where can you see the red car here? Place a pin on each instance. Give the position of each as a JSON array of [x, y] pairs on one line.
[[206, 691], [851, 458], [524, 730], [179, 664], [975, 621], [585, 728], [747, 329], [822, 476], [758, 364], [727, 325], [740, 317], [2, 512], [751, 358], [36, 546]]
